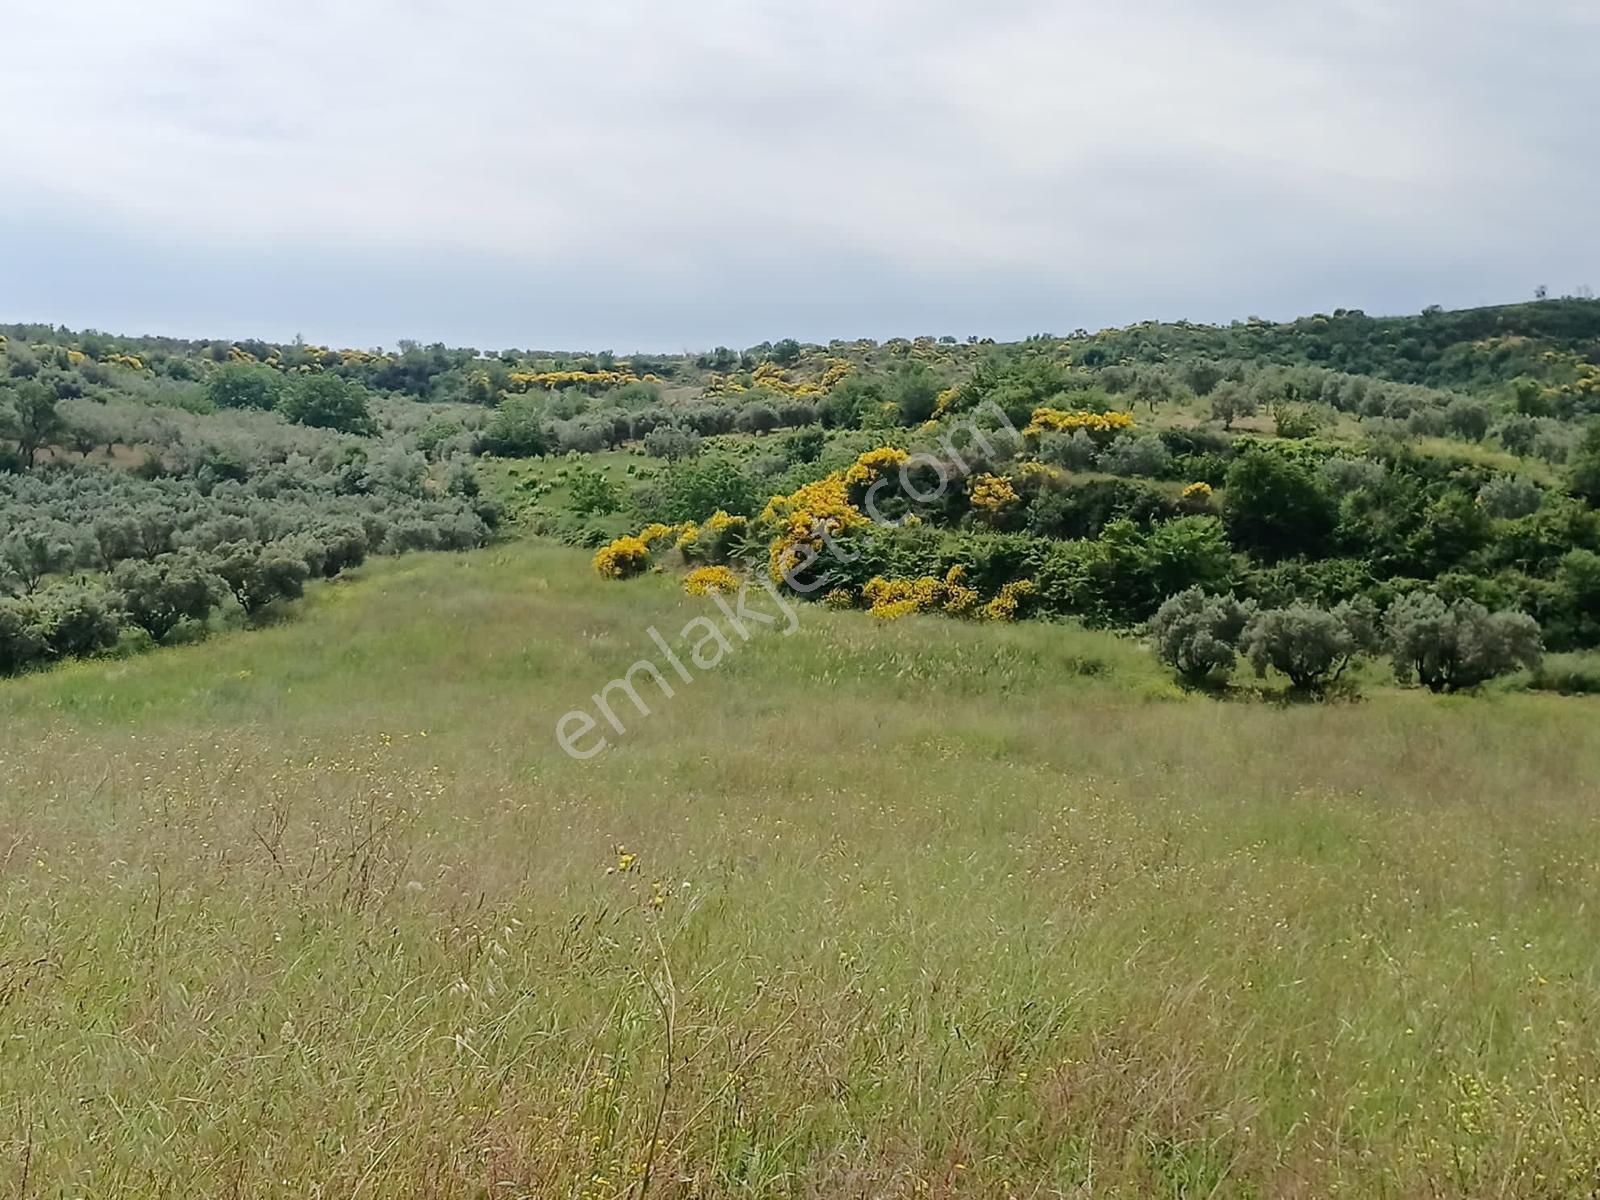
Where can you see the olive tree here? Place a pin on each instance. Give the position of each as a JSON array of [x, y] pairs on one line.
[[1449, 647], [257, 575], [29, 554], [1312, 646], [1198, 635], [159, 593]]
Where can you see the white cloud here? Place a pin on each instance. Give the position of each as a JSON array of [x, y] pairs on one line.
[[1086, 154]]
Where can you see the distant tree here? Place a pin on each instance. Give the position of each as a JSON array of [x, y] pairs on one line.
[[517, 429], [1295, 421], [672, 442], [244, 385], [758, 417], [1584, 476], [1143, 455], [1154, 388], [78, 619], [1468, 419], [1517, 433], [786, 352], [1230, 401], [22, 635], [38, 550], [1508, 497], [914, 391], [328, 402], [804, 446], [1201, 375], [1449, 647], [592, 492], [28, 416], [1198, 635], [695, 489]]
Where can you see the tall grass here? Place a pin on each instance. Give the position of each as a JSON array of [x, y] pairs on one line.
[[917, 909]]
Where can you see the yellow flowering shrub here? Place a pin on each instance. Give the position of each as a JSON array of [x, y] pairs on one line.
[[834, 373], [773, 377], [1055, 420], [623, 558], [1196, 495], [798, 516], [888, 599], [714, 541], [589, 381], [1004, 606], [959, 599], [874, 464], [992, 495], [658, 532], [840, 597], [704, 581]]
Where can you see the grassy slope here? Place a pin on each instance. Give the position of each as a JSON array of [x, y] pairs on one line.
[[321, 910]]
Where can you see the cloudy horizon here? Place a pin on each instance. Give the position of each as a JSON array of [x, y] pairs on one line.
[[649, 178]]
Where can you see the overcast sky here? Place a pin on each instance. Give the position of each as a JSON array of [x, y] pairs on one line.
[[640, 174]]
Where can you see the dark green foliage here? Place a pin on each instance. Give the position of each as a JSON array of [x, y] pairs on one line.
[[258, 575], [517, 429], [913, 390], [327, 402], [241, 385], [1276, 507], [1584, 477], [592, 492], [672, 442], [695, 489], [1085, 510]]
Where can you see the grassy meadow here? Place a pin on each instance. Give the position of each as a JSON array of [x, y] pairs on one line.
[[913, 909]]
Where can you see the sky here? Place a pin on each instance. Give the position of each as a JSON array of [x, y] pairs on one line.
[[646, 175]]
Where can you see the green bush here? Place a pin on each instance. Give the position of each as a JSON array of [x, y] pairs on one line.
[[1197, 635]]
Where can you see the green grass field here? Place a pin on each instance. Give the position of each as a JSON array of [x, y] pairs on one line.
[[917, 909]]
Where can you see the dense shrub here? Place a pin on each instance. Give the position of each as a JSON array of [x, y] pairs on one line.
[[1276, 507], [1510, 496], [695, 489], [1143, 455], [327, 402], [517, 429], [241, 385], [159, 593], [672, 442]]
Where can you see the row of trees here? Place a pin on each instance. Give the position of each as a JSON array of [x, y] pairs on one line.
[[144, 601], [1446, 646], [89, 554]]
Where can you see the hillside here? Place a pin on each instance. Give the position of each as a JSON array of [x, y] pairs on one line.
[[1444, 479]]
